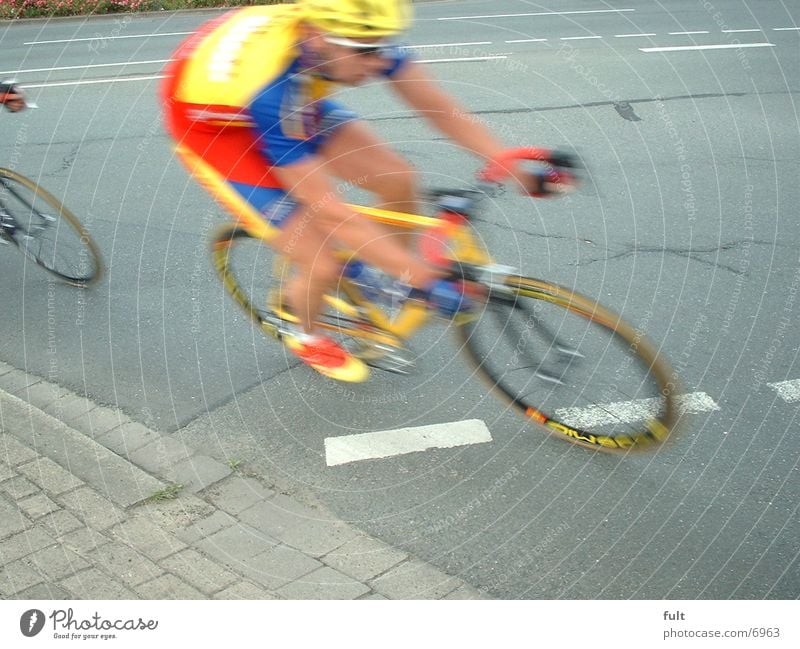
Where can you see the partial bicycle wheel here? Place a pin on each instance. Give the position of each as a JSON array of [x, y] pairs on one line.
[[48, 233], [245, 265], [573, 367]]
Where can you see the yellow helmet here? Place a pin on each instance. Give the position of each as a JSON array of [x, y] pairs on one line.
[[358, 18]]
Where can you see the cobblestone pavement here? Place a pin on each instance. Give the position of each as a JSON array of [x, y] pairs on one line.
[[96, 506]]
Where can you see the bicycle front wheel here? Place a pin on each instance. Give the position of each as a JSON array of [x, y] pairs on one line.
[[47, 232], [573, 367]]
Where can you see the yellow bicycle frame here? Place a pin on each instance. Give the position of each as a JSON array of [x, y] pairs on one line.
[[413, 314]]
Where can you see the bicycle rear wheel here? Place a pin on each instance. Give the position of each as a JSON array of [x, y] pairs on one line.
[[47, 232], [573, 367]]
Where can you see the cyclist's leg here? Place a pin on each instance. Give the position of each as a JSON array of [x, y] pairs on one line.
[[357, 155]]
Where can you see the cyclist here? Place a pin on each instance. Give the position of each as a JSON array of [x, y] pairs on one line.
[[12, 97], [246, 101]]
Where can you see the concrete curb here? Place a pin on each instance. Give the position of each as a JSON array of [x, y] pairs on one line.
[[91, 508]]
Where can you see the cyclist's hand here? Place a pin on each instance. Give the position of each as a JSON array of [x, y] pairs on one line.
[[556, 173], [12, 97]]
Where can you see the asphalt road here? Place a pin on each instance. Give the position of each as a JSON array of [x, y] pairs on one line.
[[688, 228]]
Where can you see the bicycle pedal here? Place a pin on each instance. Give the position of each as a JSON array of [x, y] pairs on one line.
[[388, 358]]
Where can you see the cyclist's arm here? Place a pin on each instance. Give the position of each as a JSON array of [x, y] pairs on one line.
[[418, 89]]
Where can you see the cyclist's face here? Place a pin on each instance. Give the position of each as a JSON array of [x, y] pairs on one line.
[[353, 65]]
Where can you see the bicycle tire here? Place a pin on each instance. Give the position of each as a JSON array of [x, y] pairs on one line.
[[615, 392], [47, 233], [243, 263]]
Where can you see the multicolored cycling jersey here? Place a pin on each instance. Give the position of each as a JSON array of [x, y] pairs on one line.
[[239, 95]]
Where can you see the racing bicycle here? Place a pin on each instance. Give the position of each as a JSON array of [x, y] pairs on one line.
[[46, 232], [562, 360]]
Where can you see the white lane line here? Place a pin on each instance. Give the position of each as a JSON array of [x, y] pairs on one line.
[[418, 47], [388, 443], [688, 48], [629, 412], [578, 38], [86, 67], [686, 33], [106, 38], [91, 82], [466, 58], [739, 31], [529, 40], [787, 390], [541, 13], [632, 35], [785, 29]]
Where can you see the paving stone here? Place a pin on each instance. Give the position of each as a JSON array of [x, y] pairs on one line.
[[17, 576], [168, 587], [244, 590], [373, 596], [415, 579], [95, 584], [276, 567], [85, 541], [178, 514], [55, 562], [325, 583], [99, 421], [96, 511], [198, 472], [49, 475], [19, 487], [14, 452], [206, 527], [199, 571], [6, 472], [43, 591], [128, 437], [152, 541], [364, 558], [296, 525], [160, 455], [11, 519], [60, 522], [43, 393], [16, 381], [24, 543], [235, 494], [236, 542], [37, 505], [128, 565], [68, 407], [5, 368]]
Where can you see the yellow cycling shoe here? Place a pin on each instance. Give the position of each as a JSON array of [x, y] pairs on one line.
[[328, 358]]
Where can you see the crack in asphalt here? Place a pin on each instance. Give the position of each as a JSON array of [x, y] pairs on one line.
[[689, 253]]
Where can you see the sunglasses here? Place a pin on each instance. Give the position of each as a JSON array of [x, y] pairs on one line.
[[365, 49]]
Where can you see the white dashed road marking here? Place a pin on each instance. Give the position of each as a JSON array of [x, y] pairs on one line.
[[787, 390], [687, 48], [389, 443], [629, 412]]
